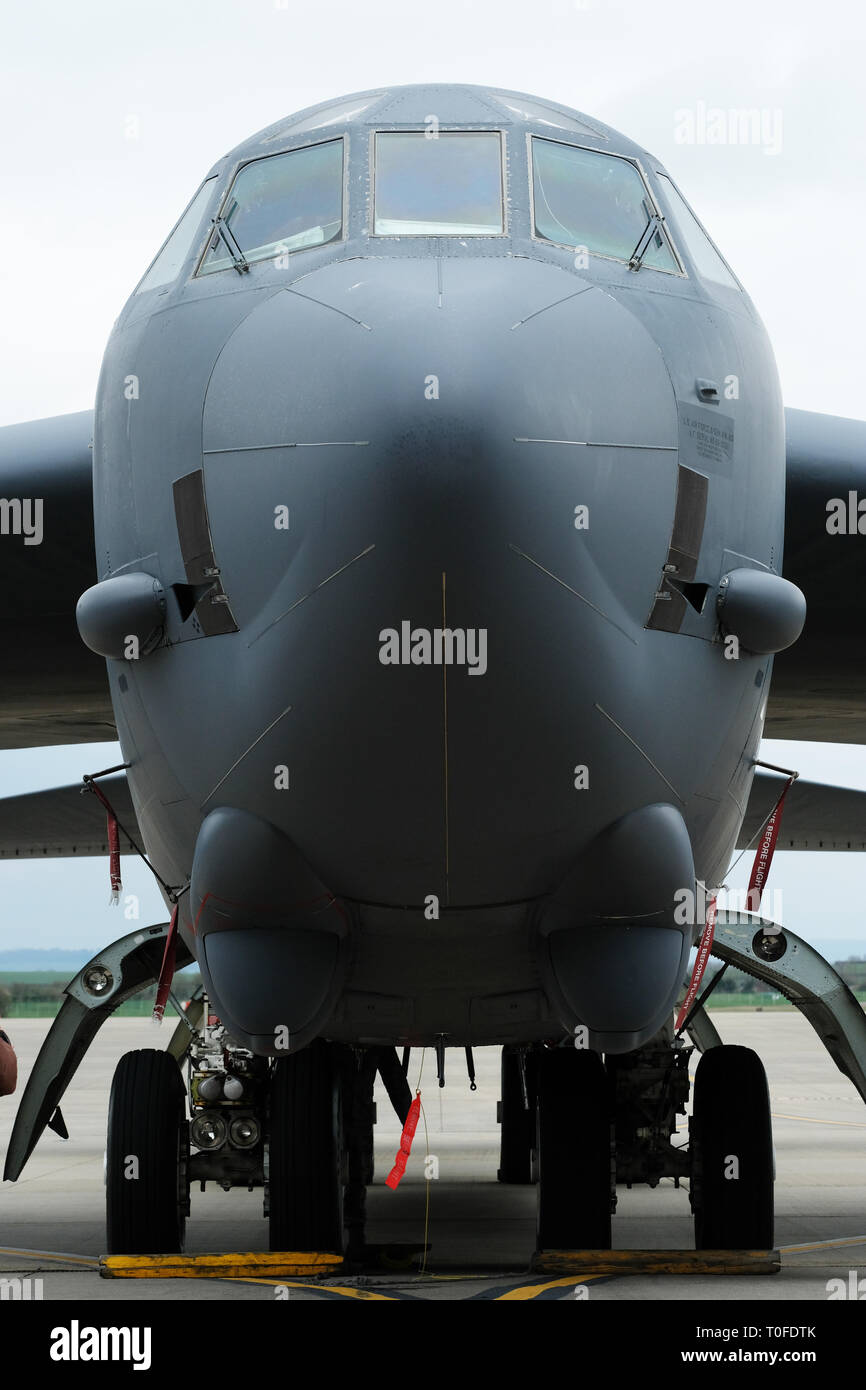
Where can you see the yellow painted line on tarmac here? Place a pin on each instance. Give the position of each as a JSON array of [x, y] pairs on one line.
[[823, 1245], [338, 1289], [527, 1291], [51, 1255]]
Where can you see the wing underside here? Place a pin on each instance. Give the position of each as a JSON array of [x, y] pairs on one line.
[[65, 822], [816, 816]]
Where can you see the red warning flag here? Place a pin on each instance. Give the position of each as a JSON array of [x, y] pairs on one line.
[[764, 855], [700, 964], [166, 972], [757, 882], [113, 842], [396, 1173], [114, 857]]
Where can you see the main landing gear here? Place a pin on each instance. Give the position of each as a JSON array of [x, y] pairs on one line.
[[299, 1126], [247, 1125], [602, 1122]]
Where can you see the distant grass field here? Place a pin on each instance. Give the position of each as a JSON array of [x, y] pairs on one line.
[[760, 1001], [142, 1005], [44, 996], [747, 1001], [51, 983], [34, 977]]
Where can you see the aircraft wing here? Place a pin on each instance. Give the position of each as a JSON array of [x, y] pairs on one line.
[[815, 816], [65, 822], [52, 689], [818, 684]]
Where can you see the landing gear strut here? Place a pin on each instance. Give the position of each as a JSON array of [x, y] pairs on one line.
[[516, 1115]]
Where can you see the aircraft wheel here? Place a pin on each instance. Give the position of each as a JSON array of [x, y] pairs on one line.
[[146, 1156], [574, 1151], [305, 1173], [517, 1134], [732, 1152]]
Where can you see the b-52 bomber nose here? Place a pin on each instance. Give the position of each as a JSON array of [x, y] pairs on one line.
[[441, 495], [396, 451]]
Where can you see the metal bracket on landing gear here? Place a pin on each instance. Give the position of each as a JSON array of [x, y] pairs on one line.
[[703, 1031], [794, 968], [106, 981], [187, 1025]]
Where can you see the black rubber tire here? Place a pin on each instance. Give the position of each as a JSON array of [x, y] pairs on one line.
[[305, 1164], [574, 1151], [731, 1119], [517, 1132], [146, 1214]]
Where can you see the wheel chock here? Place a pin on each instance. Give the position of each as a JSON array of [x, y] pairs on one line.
[[246, 1265]]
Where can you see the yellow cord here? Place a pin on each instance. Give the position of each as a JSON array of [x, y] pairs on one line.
[[423, 1269], [427, 1180]]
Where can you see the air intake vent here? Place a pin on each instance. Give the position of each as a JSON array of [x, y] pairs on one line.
[[676, 588], [211, 603]]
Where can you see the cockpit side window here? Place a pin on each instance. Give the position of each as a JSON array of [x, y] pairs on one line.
[[167, 265], [707, 260], [449, 184], [587, 198], [283, 203]]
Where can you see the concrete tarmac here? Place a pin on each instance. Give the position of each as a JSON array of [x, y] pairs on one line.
[[481, 1234]]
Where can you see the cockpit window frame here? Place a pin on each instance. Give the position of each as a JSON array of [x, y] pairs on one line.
[[166, 285], [737, 285], [680, 274], [343, 138], [443, 130]]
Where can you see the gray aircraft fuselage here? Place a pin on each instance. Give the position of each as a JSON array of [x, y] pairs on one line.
[[385, 438]]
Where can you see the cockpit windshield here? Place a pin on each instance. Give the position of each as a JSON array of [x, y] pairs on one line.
[[698, 244], [167, 264], [280, 204], [599, 201], [438, 183]]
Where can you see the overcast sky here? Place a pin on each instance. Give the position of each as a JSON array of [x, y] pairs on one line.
[[112, 112]]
